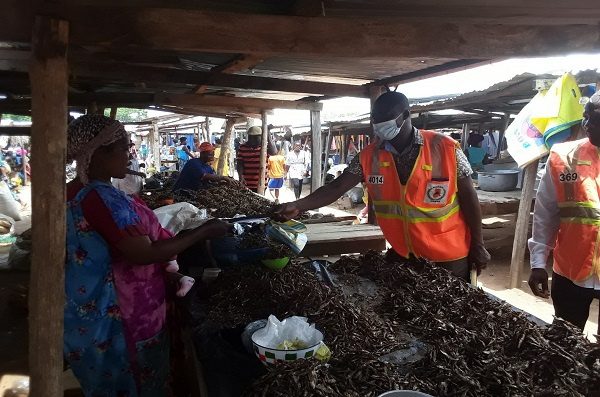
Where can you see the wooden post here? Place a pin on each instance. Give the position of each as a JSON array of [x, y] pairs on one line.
[[316, 149], [207, 124], [505, 124], [326, 151], [262, 173], [92, 108], [374, 93], [48, 73], [425, 120], [225, 145], [522, 227], [113, 113], [465, 136], [155, 144], [25, 163]]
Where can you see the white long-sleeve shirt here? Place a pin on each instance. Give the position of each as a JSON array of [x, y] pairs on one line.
[[546, 222]]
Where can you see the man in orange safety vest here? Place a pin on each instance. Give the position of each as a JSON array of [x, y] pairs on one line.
[[567, 220], [420, 187]]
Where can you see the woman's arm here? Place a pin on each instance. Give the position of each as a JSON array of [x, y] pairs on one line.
[[141, 250]]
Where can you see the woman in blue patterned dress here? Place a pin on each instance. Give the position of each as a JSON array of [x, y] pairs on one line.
[[118, 261]]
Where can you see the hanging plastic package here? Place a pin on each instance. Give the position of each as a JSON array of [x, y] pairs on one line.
[[545, 120], [559, 110]]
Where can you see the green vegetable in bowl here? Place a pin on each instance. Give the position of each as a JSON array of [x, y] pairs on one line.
[[295, 344]]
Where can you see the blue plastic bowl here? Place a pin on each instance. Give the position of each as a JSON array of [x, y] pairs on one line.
[[226, 253]]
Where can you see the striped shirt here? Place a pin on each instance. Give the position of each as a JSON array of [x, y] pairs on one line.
[[251, 161]]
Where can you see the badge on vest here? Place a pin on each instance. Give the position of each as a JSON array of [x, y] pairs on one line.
[[567, 177], [437, 193], [375, 179]]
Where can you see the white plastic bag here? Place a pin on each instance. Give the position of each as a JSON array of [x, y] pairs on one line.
[[180, 216], [8, 205], [290, 329]]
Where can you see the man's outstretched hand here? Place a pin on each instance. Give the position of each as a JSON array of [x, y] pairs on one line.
[[285, 212]]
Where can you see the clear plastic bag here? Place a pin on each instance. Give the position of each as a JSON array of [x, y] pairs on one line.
[[292, 331]]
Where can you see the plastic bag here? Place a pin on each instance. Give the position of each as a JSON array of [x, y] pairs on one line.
[[288, 331], [292, 233], [8, 205], [180, 216]]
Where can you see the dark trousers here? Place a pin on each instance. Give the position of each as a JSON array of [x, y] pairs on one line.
[[297, 187], [571, 302]]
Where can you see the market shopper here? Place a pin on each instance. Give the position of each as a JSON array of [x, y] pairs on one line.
[[215, 162], [296, 167], [248, 158], [566, 219], [198, 174], [276, 167], [419, 183], [183, 152], [119, 264]]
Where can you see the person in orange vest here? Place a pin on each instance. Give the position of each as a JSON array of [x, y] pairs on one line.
[[419, 183], [566, 219]]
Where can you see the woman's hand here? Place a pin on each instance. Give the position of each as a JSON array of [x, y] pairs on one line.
[[216, 227]]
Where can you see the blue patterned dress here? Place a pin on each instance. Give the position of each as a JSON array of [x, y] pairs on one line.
[[97, 344]]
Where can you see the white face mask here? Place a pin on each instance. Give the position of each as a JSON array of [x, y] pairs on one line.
[[388, 129]]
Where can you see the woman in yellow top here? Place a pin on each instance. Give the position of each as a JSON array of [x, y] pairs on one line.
[[276, 165]]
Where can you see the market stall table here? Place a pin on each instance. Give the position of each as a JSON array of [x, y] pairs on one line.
[[499, 203], [342, 238]]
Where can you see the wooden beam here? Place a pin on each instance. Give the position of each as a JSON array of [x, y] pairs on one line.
[[505, 124], [316, 150], [262, 171], [154, 142], [139, 73], [15, 131], [522, 226], [240, 62], [186, 100], [190, 30], [49, 84], [434, 71], [113, 112]]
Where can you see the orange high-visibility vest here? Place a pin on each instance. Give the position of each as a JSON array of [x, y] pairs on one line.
[[575, 170], [423, 217]]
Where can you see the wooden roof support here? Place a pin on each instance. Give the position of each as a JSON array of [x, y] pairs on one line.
[[240, 62], [316, 150], [191, 30], [262, 169], [126, 72], [225, 145], [49, 82], [185, 100]]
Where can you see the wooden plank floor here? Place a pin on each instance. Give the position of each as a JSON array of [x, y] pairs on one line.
[[342, 238]]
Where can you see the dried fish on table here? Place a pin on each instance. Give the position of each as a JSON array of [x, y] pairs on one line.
[[476, 346]]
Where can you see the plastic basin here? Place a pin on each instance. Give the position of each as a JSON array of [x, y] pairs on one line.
[[276, 264], [271, 357], [226, 253]]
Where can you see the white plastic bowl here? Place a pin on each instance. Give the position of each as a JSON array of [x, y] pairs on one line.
[[270, 356]]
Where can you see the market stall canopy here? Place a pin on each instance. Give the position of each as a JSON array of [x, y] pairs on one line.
[[236, 58]]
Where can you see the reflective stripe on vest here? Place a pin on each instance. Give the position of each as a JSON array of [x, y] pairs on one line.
[[393, 210]]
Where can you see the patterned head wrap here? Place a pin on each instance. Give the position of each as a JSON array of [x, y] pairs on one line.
[[88, 133]]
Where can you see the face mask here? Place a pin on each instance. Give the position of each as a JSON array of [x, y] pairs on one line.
[[388, 129]]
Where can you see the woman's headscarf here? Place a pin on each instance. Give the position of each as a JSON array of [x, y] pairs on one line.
[[88, 133], [474, 139]]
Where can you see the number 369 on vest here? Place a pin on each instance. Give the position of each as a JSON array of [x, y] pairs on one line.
[[566, 177]]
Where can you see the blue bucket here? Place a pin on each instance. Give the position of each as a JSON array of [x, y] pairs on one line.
[[226, 253]]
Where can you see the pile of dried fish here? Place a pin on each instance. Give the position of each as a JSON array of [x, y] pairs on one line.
[[478, 347], [475, 346]]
